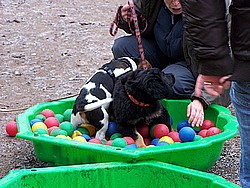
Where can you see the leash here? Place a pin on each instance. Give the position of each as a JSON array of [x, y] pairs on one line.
[[136, 26]]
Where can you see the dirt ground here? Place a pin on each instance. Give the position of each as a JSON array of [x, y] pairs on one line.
[[47, 50]]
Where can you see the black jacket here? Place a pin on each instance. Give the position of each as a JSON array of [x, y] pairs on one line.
[[207, 41]]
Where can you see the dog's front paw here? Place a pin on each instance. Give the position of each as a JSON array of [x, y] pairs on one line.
[[140, 144]]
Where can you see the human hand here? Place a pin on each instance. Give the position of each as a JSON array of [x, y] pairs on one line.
[[195, 113], [214, 85], [125, 12]]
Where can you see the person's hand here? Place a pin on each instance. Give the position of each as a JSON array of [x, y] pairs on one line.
[[195, 113], [125, 12], [214, 85]]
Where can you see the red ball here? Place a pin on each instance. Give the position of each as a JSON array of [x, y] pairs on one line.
[[147, 141], [129, 140], [175, 136], [213, 131], [11, 128], [160, 130], [48, 113], [143, 130], [109, 142], [207, 124], [51, 121], [203, 133], [52, 128], [95, 141]]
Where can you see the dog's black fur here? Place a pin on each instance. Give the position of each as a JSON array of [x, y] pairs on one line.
[[93, 101], [146, 87]]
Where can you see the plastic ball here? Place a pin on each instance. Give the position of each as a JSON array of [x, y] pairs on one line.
[[90, 128], [112, 128], [196, 129], [131, 146], [61, 136], [95, 141], [207, 124], [171, 120], [56, 132], [183, 123], [162, 144], [109, 142], [166, 139], [147, 141], [59, 117], [48, 113], [52, 128], [119, 142], [80, 138], [155, 141], [160, 130], [203, 133], [116, 135], [41, 131], [197, 138], [83, 130], [33, 121], [76, 133], [187, 134], [175, 136], [87, 137], [67, 114], [143, 130], [68, 127], [41, 117], [129, 140], [38, 125], [213, 131], [51, 121], [11, 128]]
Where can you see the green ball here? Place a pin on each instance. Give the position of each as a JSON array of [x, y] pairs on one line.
[[59, 117], [152, 131], [116, 135], [41, 117], [67, 114], [41, 131], [119, 142], [83, 130], [56, 132], [68, 127], [197, 138]]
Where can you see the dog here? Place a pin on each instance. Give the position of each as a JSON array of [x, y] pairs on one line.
[[94, 99], [136, 101]]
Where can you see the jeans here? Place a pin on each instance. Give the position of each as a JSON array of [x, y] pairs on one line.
[[240, 97]]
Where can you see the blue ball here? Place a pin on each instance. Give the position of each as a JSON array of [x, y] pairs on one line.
[[155, 141], [87, 137], [112, 128], [171, 121], [183, 123], [162, 143], [33, 121], [187, 134], [131, 146]]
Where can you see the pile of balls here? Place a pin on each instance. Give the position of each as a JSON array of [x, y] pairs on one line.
[[59, 126]]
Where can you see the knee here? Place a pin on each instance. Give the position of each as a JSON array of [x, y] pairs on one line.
[[118, 48]]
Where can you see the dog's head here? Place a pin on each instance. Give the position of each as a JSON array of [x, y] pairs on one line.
[[152, 84]]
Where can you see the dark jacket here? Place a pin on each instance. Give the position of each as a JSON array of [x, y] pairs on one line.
[[207, 41]]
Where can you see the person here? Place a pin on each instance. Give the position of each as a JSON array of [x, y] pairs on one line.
[[163, 46], [208, 43]]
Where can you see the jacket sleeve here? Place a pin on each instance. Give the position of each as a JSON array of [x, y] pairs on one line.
[[206, 33]]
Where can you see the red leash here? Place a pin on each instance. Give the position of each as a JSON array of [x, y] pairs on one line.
[[137, 30]]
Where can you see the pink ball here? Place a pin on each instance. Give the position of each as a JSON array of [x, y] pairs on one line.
[[213, 131], [160, 130], [207, 124], [51, 121], [143, 130], [95, 141], [175, 136], [109, 142], [203, 133], [48, 113], [11, 128], [52, 128], [129, 140]]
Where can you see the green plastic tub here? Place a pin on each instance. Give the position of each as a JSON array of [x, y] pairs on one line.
[[199, 155], [149, 174]]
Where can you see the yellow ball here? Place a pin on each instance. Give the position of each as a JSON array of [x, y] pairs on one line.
[[76, 133], [38, 125], [90, 128], [80, 138], [166, 139], [61, 136]]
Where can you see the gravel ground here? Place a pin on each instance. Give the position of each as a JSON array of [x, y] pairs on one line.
[[47, 50]]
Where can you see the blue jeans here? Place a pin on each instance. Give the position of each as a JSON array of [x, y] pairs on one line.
[[240, 97], [184, 79]]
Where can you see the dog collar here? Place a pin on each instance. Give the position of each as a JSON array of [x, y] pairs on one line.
[[109, 71], [136, 101]]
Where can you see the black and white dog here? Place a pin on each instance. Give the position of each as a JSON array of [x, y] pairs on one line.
[[136, 102], [94, 99]]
